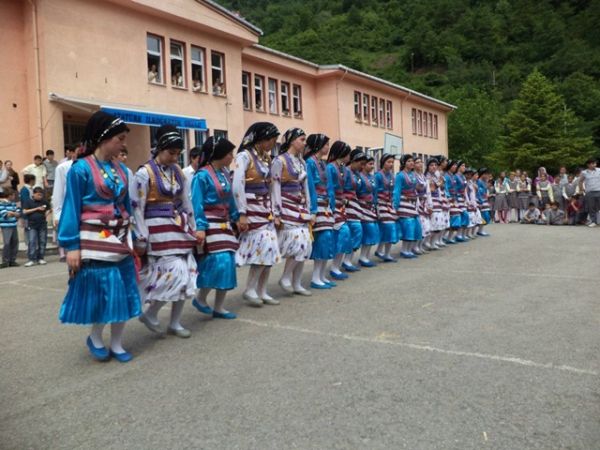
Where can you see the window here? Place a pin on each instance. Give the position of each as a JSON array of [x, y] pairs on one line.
[[389, 117], [246, 98], [435, 126], [198, 74], [200, 137], [73, 132], [297, 100], [259, 96], [177, 64], [425, 124], [357, 105], [155, 59], [365, 108], [419, 121], [273, 96], [414, 121], [218, 72], [431, 125], [381, 112], [285, 98], [374, 111], [220, 134]]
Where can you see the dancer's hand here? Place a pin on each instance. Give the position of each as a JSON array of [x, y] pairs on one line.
[[313, 219], [200, 236], [277, 222], [74, 261], [243, 223]]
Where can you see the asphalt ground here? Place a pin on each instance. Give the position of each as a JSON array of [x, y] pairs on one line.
[[489, 344]]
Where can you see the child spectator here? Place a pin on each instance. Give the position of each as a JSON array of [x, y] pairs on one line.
[[37, 210], [555, 216], [9, 213], [531, 215], [575, 210]]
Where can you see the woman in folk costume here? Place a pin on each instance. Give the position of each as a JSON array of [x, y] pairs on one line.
[[94, 230], [512, 197], [367, 199], [259, 247], [323, 244], [524, 194], [471, 203], [455, 210], [483, 200], [440, 174], [384, 186], [501, 200], [425, 208], [291, 206], [460, 186], [164, 228], [405, 203], [214, 210], [352, 184], [338, 156], [438, 219]]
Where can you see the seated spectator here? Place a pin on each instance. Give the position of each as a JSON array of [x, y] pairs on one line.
[[555, 216], [575, 210], [37, 210], [532, 214], [9, 214]]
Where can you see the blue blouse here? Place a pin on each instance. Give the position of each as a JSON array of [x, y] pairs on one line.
[[334, 183], [314, 180], [204, 193], [80, 191], [402, 183]]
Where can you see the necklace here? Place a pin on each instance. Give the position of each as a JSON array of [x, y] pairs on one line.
[[105, 174], [170, 180]]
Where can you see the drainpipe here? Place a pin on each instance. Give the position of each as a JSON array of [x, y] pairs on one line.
[[337, 95], [38, 87]]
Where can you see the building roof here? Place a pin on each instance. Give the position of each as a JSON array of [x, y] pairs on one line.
[[232, 15], [345, 69]]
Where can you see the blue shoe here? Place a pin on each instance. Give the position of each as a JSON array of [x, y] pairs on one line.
[[350, 267], [204, 309], [314, 285], [122, 357], [407, 255], [367, 263], [227, 315], [460, 239], [450, 241], [338, 276], [331, 284], [483, 233], [99, 353]]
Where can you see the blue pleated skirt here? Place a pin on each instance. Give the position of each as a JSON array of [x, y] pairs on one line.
[[486, 216], [456, 221], [370, 231], [464, 219], [411, 228], [356, 233], [388, 232], [102, 292], [217, 271], [398, 230], [322, 247], [418, 230], [341, 240]]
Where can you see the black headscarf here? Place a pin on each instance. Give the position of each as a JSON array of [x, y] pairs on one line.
[[100, 127], [384, 158], [430, 161], [459, 163], [290, 136], [215, 150], [357, 155], [167, 136], [260, 131], [450, 165], [338, 150], [404, 160], [314, 143], [483, 171]]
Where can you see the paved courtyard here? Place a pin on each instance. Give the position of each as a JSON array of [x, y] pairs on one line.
[[489, 344]]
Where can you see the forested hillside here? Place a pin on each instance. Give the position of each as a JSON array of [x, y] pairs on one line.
[[475, 54]]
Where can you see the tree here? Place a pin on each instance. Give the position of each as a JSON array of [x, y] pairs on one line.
[[541, 131]]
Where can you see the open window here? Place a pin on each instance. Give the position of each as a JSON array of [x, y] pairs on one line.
[[246, 97], [285, 98], [198, 69], [177, 58], [154, 53], [259, 93], [218, 73]]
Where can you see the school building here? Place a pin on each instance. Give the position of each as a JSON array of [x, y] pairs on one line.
[[192, 63]]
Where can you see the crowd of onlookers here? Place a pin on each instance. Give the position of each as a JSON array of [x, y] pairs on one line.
[[562, 199]]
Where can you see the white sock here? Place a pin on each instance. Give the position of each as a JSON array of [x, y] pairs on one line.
[[220, 301], [96, 334], [202, 296], [288, 271], [364, 253], [380, 248], [176, 311], [151, 312], [337, 262], [116, 337], [348, 258], [252, 282], [324, 278], [388, 249], [297, 278], [263, 280], [317, 269]]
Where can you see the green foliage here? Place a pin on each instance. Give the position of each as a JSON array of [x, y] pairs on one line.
[[473, 53], [541, 130]]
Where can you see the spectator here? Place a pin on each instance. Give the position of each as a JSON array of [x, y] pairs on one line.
[[575, 210], [532, 214], [197, 85], [37, 210], [192, 168], [12, 181], [70, 153], [555, 216], [153, 76], [9, 214], [38, 169], [589, 182], [123, 156], [50, 163]]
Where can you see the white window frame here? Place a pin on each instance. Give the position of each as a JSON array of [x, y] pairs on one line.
[[285, 99], [272, 96], [419, 122], [414, 120], [357, 106], [246, 87], [158, 54], [297, 100], [374, 107], [382, 112], [220, 69], [366, 107], [389, 115], [201, 63], [180, 59], [259, 86]]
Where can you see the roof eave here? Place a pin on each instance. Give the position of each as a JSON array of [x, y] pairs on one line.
[[253, 28]]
